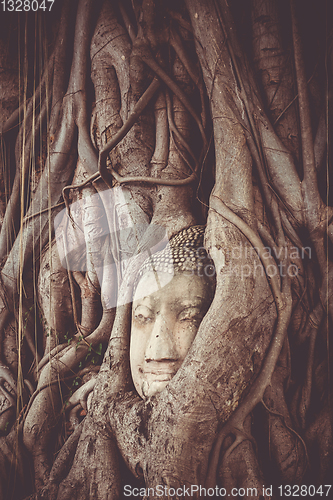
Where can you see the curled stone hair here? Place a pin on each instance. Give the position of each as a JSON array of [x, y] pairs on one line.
[[185, 253]]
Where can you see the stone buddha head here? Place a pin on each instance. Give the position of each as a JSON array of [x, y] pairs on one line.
[[174, 290]]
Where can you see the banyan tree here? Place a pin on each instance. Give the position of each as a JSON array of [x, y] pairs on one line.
[[145, 139]]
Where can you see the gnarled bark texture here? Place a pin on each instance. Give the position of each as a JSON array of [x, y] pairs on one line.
[[145, 118]]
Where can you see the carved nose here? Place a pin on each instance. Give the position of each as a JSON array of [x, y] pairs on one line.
[[161, 345]]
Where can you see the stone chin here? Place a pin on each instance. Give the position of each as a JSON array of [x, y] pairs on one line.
[[153, 388]]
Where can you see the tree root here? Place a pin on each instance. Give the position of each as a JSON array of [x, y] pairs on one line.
[[73, 415], [161, 152], [178, 135], [86, 151], [80, 396], [31, 104], [36, 434], [6, 375], [177, 44], [312, 200], [267, 260], [284, 309], [263, 140], [60, 467], [15, 206], [304, 404], [242, 469], [115, 379], [92, 178], [7, 395], [149, 60], [290, 429], [52, 73], [128, 25], [41, 212], [138, 109]]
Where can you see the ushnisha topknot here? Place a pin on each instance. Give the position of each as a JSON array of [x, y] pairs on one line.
[[184, 253]]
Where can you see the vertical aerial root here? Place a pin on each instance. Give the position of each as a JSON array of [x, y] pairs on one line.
[[312, 200], [161, 152], [153, 65]]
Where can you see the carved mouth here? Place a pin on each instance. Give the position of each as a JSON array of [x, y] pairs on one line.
[[159, 372]]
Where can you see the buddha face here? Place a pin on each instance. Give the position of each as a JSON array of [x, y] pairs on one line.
[[165, 319]]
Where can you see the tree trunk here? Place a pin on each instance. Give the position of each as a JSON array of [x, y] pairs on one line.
[[144, 119]]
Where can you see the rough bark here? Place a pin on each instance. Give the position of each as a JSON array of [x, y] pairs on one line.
[[151, 108]]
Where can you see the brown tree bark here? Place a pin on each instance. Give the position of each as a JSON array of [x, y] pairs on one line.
[[150, 118]]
